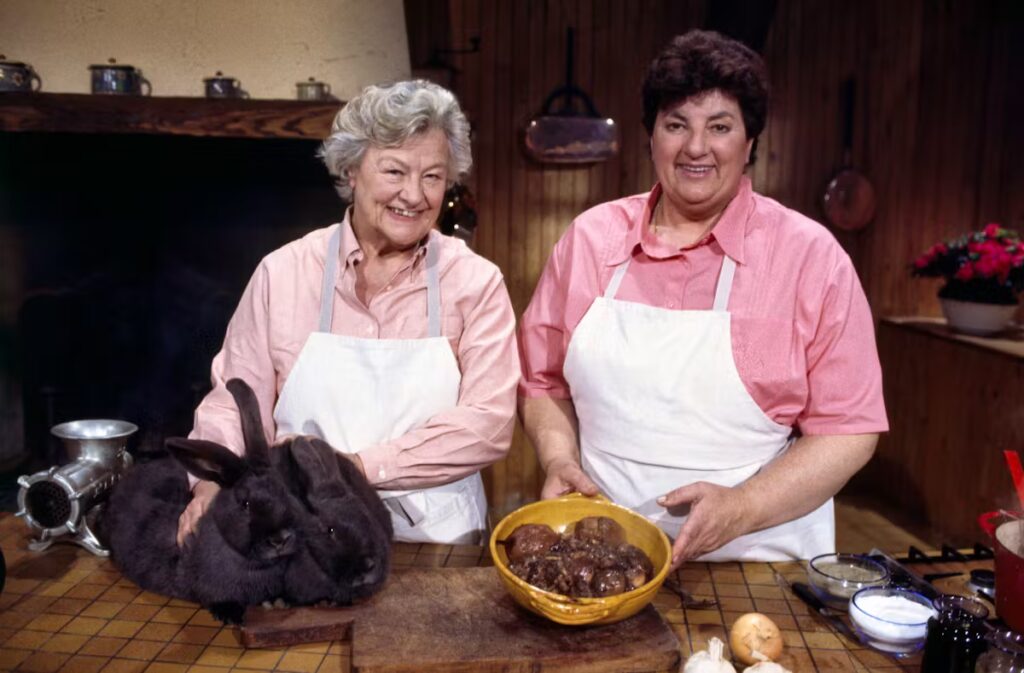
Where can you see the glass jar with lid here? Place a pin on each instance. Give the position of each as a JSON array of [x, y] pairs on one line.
[[1005, 653]]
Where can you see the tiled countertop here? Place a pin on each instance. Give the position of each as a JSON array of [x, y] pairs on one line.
[[66, 610]]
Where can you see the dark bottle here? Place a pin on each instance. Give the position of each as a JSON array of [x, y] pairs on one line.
[[956, 635]]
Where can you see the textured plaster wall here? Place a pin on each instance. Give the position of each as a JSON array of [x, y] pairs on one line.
[[267, 44]]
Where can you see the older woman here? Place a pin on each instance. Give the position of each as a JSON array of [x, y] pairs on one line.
[[392, 342], [701, 353]]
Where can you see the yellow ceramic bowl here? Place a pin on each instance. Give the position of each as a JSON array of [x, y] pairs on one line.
[[560, 514]]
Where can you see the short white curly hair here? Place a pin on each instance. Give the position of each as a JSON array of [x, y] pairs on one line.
[[386, 116]]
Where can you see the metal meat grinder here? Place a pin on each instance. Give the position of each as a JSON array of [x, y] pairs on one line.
[[62, 504]]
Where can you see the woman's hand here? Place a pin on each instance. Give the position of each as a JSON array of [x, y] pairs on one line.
[[717, 516], [202, 496], [566, 476]]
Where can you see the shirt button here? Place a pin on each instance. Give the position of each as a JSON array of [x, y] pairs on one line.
[[670, 304], [370, 330], [381, 474], [387, 288]]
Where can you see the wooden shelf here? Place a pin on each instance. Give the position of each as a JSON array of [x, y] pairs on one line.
[[224, 118], [1009, 342]]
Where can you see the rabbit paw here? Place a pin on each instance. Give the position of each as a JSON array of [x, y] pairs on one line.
[[229, 613]]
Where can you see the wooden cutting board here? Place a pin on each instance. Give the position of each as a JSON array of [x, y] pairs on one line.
[[456, 620]]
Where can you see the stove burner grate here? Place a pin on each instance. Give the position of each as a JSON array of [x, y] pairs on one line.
[[949, 554]]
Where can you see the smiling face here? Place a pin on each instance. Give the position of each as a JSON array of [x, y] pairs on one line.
[[398, 191], [699, 147]]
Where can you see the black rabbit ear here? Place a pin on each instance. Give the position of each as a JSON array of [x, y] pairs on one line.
[[347, 470], [207, 460], [317, 462], [256, 449]]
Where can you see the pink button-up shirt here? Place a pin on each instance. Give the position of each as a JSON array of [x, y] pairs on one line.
[[802, 332], [280, 308]]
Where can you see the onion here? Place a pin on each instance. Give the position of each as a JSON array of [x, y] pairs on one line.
[[754, 637]]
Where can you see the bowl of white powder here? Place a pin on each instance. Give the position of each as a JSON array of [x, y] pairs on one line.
[[891, 619]]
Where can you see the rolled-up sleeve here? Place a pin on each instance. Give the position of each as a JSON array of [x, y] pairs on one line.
[[246, 355], [477, 431], [844, 377]]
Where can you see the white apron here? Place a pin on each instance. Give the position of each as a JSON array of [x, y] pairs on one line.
[[661, 405], [353, 393]]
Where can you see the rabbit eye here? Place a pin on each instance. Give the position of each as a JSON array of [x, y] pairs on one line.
[[245, 505], [330, 531]]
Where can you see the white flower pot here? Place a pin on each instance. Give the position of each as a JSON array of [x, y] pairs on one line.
[[978, 319]]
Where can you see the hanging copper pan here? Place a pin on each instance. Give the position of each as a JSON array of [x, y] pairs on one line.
[[849, 199]]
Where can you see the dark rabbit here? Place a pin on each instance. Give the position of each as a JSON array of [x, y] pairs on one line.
[[345, 545], [239, 553], [346, 551]]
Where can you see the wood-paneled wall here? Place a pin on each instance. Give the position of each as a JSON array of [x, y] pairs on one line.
[[943, 464], [936, 127]]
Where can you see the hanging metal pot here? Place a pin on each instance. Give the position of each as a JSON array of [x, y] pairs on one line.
[[567, 135], [849, 199]]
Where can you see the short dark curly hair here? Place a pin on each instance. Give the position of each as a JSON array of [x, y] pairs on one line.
[[702, 61]]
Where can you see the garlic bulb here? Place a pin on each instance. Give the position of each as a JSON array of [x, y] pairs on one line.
[[710, 660], [766, 667]]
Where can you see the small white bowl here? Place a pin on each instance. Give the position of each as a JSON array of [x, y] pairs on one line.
[[891, 619]]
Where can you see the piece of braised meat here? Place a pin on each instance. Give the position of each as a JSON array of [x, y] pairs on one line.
[[600, 529], [530, 539], [636, 567]]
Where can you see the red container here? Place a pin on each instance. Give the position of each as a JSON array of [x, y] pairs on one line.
[[1009, 543]]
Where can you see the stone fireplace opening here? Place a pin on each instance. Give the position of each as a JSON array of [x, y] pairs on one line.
[[122, 258]]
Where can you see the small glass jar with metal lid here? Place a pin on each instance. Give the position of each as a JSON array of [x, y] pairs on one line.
[[1005, 653]]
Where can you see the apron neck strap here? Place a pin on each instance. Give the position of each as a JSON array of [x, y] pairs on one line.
[[722, 289], [613, 285], [433, 288], [330, 280]]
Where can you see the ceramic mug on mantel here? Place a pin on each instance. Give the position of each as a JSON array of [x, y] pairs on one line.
[[221, 86], [313, 90], [119, 80], [17, 76]]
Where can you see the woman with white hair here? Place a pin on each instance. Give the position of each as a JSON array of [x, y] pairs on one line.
[[393, 343]]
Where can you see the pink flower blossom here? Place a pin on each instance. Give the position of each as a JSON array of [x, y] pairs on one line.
[[992, 230], [986, 266], [965, 272]]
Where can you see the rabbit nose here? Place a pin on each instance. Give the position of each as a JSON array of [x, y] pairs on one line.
[[280, 539]]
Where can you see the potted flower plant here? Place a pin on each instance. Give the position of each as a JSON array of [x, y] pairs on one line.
[[984, 273]]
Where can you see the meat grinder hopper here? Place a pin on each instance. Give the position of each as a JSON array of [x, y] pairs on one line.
[[63, 503]]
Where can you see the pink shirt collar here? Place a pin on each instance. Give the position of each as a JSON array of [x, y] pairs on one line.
[[729, 232]]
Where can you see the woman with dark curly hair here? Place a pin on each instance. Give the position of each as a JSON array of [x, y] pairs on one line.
[[700, 353]]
